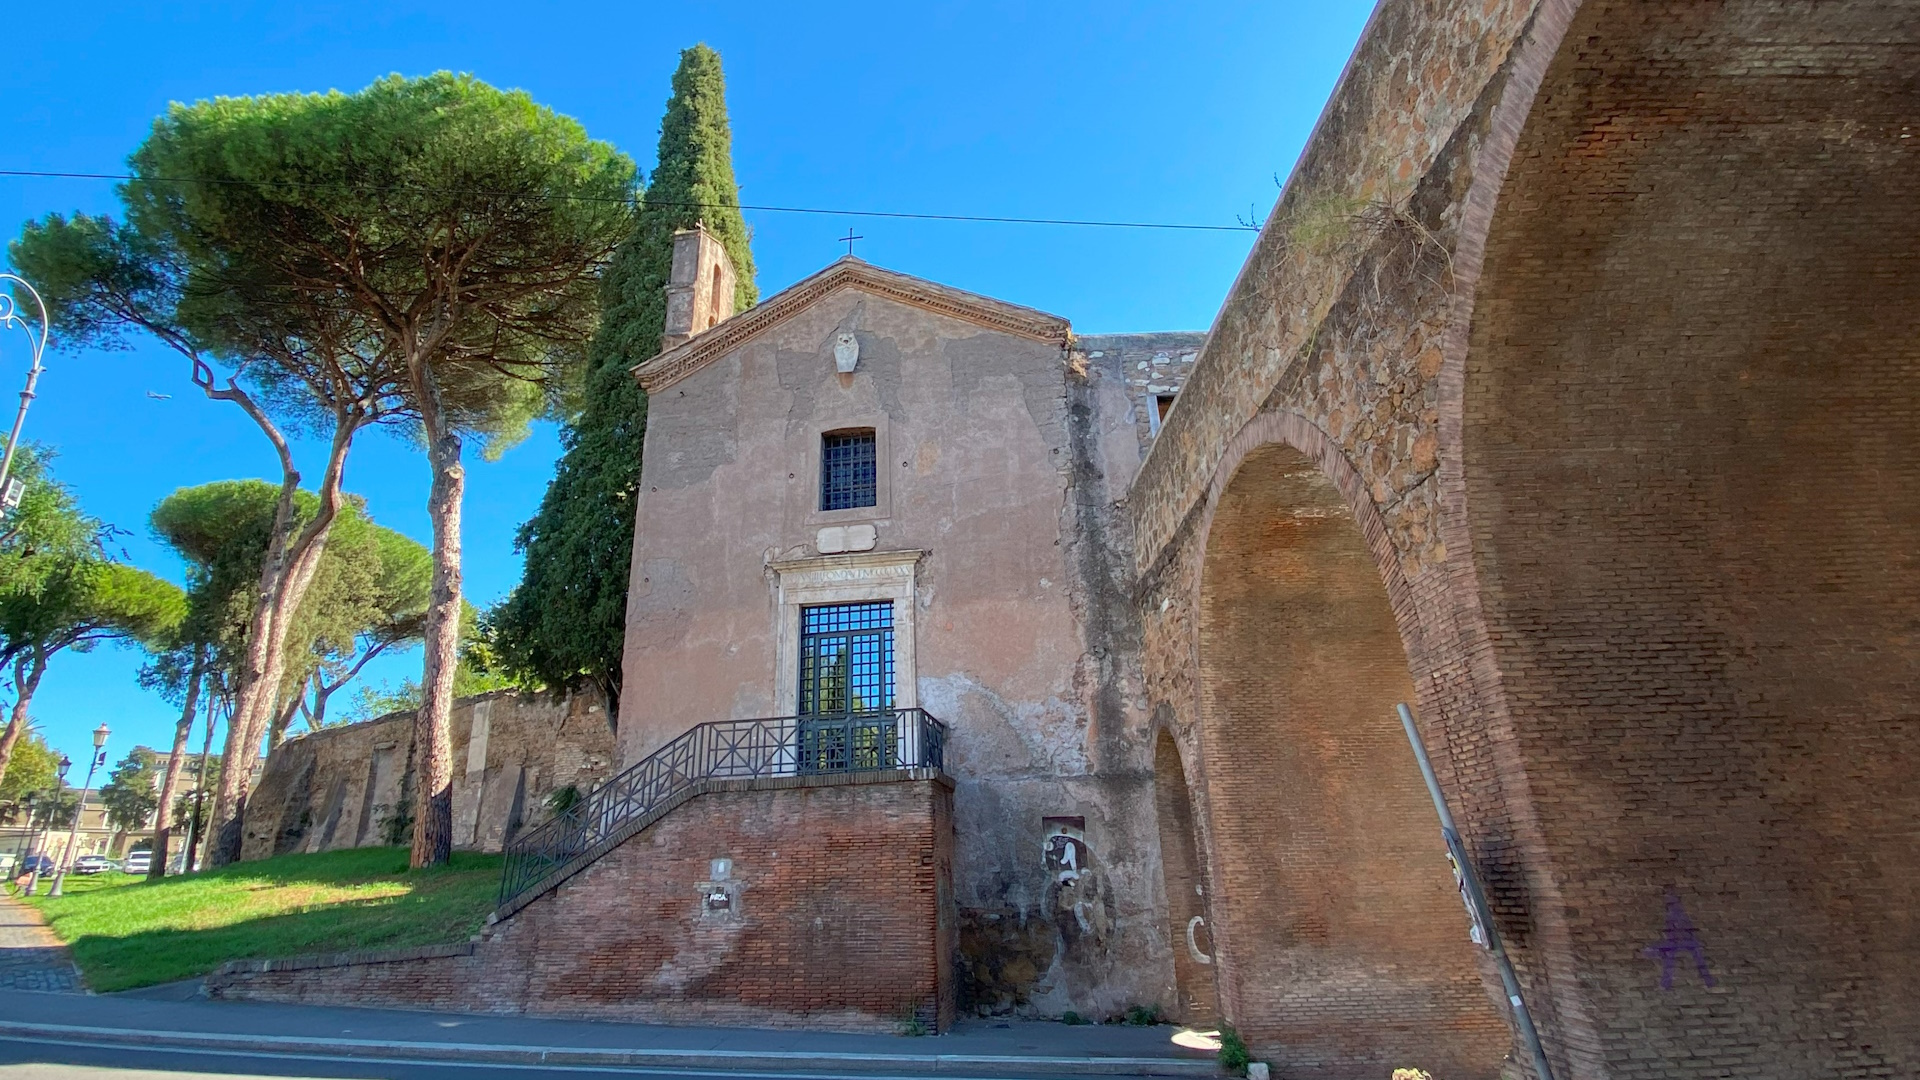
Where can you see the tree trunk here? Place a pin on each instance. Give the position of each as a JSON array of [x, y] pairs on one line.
[[176, 763], [433, 721], [609, 685], [196, 820], [285, 574], [283, 720], [229, 798], [317, 712], [27, 670]]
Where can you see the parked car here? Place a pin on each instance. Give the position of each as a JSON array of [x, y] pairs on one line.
[[138, 862], [35, 863], [92, 864]]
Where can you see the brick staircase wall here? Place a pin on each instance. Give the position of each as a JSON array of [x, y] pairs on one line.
[[837, 914]]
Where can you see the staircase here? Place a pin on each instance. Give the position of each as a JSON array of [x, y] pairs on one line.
[[705, 755]]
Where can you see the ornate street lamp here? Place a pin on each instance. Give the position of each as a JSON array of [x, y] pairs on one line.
[[10, 318], [73, 836], [38, 839]]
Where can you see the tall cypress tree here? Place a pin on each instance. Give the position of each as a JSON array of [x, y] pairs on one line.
[[567, 619]]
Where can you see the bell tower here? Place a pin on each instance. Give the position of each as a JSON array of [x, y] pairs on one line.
[[699, 286]]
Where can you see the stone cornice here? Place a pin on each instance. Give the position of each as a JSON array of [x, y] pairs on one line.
[[865, 561], [688, 357]]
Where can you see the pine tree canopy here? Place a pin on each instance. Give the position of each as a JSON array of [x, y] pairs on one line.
[[132, 791], [567, 619]]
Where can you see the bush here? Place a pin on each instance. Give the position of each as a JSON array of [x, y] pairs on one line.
[[907, 1021], [1073, 1019], [1233, 1052], [563, 800], [1143, 1016], [395, 824]]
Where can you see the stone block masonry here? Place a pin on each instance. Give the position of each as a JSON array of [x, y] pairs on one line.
[[351, 786], [1153, 368], [812, 901]]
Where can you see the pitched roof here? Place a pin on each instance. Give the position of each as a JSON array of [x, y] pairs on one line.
[[846, 272]]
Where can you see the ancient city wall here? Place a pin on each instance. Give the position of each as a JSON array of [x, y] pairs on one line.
[[817, 902], [1597, 321], [351, 786]]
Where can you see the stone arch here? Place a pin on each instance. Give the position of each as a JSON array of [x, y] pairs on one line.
[[1340, 940], [1680, 455], [1196, 999]]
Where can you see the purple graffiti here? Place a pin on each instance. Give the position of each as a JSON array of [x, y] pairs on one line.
[[1681, 937]]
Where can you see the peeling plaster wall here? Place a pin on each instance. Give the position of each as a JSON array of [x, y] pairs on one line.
[[1004, 459]]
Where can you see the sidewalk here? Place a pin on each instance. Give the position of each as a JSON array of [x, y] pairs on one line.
[[31, 958], [974, 1048]]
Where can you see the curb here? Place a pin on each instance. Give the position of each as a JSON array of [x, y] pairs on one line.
[[826, 1063]]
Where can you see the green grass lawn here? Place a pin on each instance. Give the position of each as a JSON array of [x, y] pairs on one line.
[[127, 932]]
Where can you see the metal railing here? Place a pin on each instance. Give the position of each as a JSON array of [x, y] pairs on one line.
[[720, 750]]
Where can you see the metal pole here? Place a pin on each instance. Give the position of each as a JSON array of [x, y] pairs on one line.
[[35, 836], [9, 318], [1476, 898], [73, 835], [46, 825]]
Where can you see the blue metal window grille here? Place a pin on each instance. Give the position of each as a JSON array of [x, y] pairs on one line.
[[846, 688], [846, 659], [848, 470]]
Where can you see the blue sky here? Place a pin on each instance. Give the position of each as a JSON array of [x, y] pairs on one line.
[[1176, 112]]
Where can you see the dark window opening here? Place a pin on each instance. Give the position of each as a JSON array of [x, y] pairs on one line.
[[848, 472], [1164, 403]]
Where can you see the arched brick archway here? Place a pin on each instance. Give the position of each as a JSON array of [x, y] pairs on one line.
[[1622, 360], [1681, 441], [1341, 943], [1196, 999]]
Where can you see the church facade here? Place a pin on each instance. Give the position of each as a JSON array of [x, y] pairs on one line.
[[877, 496], [883, 748]]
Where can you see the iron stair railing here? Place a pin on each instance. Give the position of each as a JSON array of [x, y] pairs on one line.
[[541, 857]]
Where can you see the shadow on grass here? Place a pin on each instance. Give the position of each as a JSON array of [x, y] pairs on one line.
[[334, 868], [183, 927]]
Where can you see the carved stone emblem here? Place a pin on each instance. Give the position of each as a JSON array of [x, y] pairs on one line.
[[846, 352]]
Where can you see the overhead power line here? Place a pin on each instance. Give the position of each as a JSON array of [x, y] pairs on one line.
[[765, 208]]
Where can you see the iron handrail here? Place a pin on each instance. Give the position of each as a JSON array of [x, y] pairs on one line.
[[721, 750]]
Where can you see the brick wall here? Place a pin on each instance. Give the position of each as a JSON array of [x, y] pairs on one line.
[[838, 916], [1691, 435], [1601, 317], [1343, 942], [1195, 999], [351, 786]]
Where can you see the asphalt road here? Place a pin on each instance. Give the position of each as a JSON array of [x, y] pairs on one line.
[[34, 1059]]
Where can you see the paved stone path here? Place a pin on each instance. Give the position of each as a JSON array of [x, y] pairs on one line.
[[31, 958]]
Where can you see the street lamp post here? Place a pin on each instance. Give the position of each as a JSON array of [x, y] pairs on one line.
[[73, 836], [10, 317], [37, 839]]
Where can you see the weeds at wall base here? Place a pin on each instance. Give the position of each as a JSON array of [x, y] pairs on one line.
[[1233, 1052]]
